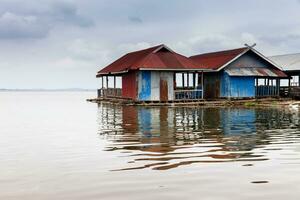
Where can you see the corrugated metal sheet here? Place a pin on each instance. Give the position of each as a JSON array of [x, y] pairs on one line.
[[129, 85], [215, 60], [289, 62], [249, 71], [155, 79], [212, 85], [237, 86], [144, 85], [168, 77], [149, 87]]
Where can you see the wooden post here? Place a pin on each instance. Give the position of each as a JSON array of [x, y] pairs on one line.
[[194, 80], [268, 83], [271, 87], [107, 82], [102, 83], [256, 90], [278, 86], [114, 82], [115, 91], [188, 80], [183, 80], [289, 94], [174, 80], [202, 85]]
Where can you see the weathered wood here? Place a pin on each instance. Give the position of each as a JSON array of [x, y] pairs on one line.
[[163, 90]]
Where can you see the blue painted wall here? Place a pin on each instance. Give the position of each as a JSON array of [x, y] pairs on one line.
[[237, 86], [145, 86]]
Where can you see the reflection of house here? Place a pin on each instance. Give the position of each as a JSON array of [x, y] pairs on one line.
[[237, 121], [164, 138], [291, 66], [158, 74]]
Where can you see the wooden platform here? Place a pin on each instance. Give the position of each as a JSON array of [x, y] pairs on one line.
[[216, 102]]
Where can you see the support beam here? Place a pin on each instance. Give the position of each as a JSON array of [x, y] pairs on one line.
[[202, 85], [256, 88], [277, 86], [174, 81], [114, 82], [268, 82], [115, 91], [289, 94], [183, 80], [194, 80], [107, 82], [188, 80]]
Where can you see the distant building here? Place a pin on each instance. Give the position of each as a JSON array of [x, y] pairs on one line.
[[158, 74], [290, 64]]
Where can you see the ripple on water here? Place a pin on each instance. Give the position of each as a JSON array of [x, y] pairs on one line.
[[167, 138]]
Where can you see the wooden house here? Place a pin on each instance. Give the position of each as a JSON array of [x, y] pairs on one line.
[[150, 75], [239, 73]]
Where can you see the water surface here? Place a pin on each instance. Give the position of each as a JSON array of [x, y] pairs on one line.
[[55, 145]]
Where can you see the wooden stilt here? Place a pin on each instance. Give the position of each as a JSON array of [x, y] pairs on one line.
[[202, 85], [289, 94]]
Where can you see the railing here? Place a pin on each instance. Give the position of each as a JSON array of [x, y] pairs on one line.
[[110, 92], [293, 91], [263, 91], [188, 94], [284, 91]]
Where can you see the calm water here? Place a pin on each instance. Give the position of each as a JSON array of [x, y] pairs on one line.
[[55, 145]]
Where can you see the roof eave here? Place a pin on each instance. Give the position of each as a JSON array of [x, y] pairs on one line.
[[99, 74]]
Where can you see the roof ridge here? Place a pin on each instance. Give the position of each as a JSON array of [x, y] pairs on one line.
[[147, 49]]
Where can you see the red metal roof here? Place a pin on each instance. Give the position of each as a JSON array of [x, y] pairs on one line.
[[158, 57], [215, 60]]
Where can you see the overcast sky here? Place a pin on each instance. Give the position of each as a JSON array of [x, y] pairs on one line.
[[62, 43]]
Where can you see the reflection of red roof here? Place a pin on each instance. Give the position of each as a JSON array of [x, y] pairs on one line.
[[158, 57], [216, 60]]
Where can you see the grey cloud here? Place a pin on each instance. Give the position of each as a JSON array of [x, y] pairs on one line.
[[14, 26], [67, 13], [37, 20], [135, 19]]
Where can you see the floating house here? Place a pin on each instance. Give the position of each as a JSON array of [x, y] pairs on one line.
[[150, 75], [158, 74], [239, 73]]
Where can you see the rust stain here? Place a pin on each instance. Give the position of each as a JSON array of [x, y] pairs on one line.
[[163, 90]]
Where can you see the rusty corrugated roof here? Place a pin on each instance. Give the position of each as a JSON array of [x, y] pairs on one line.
[[216, 60], [255, 71], [158, 57]]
